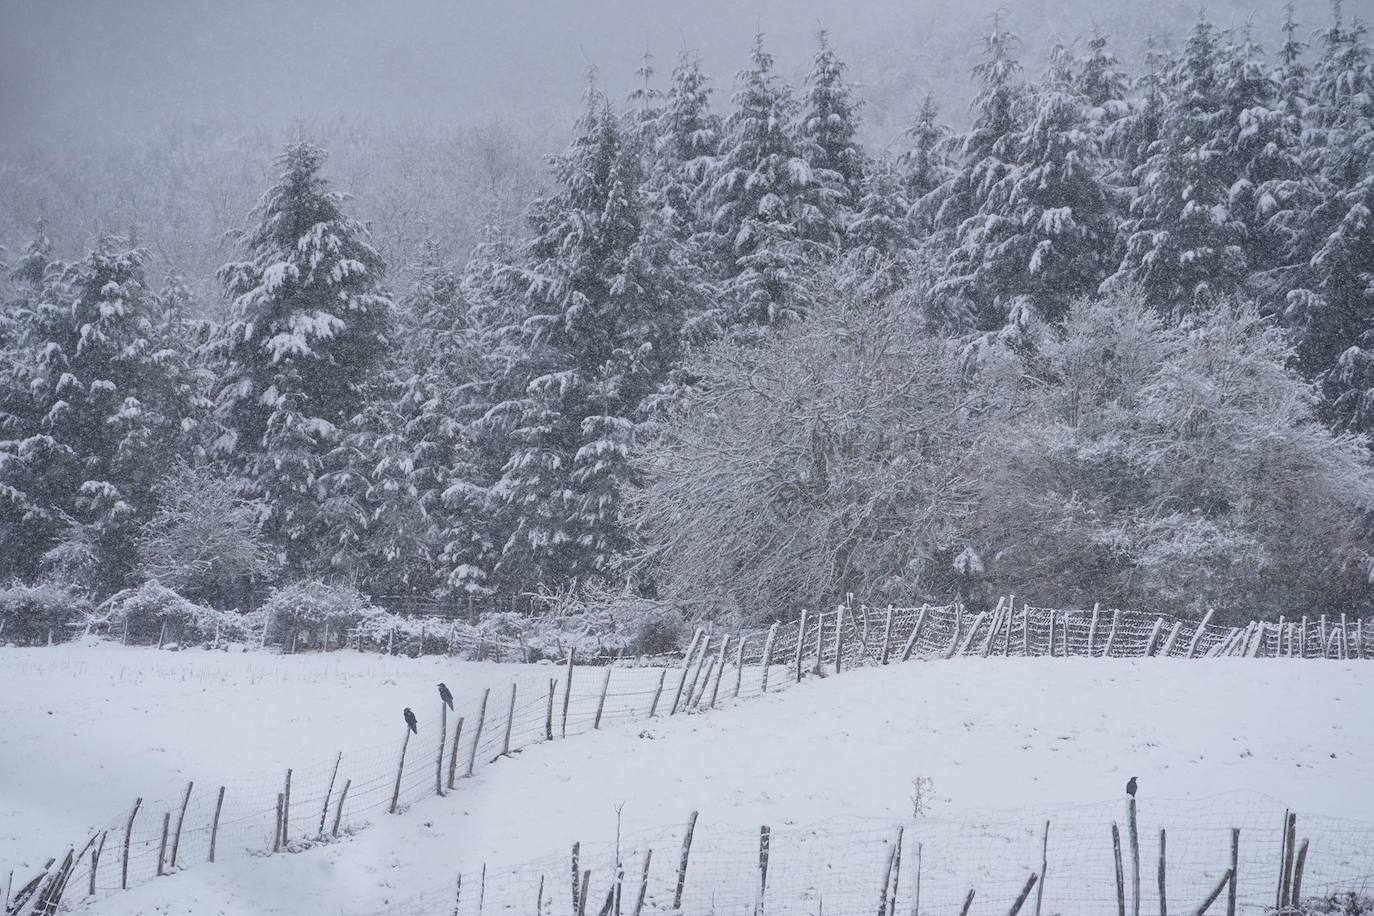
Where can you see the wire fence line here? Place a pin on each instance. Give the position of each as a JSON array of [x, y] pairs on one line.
[[1181, 852], [302, 808]]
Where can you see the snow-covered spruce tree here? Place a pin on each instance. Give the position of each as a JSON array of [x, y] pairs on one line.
[[770, 218], [686, 136], [924, 165], [309, 327], [597, 304], [1333, 302], [827, 127], [1042, 234], [1184, 243], [882, 259], [112, 400]]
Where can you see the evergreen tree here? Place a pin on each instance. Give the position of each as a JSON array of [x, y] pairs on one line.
[[309, 328], [598, 307], [827, 127], [686, 135], [882, 258], [111, 401], [1183, 242], [924, 164], [770, 217]]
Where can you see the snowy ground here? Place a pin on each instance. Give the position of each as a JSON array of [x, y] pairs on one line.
[[85, 729]]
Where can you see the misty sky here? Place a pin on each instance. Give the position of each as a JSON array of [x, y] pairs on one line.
[[83, 68]]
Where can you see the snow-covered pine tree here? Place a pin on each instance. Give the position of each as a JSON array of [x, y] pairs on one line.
[[1183, 242], [112, 400], [1043, 232], [924, 164], [770, 218], [827, 127], [686, 136], [309, 328], [882, 257], [598, 304]]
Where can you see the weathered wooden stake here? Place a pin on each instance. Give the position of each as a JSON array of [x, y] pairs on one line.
[[181, 818], [1163, 895], [761, 894], [1135, 858], [915, 633], [438, 759], [276, 839], [482, 718], [687, 666], [324, 809], [1120, 876], [128, 831], [582, 899], [286, 806], [658, 692], [1302, 639], [1197, 634], [1321, 631], [576, 875], [767, 656], [887, 634], [453, 752], [567, 694], [400, 768], [548, 715], [1235, 864], [968, 902], [1212, 897], [601, 703], [643, 883], [1025, 892], [1044, 867], [801, 643], [510, 714], [214, 823], [701, 664], [839, 637], [993, 628], [1296, 898], [538, 898], [1154, 637], [1092, 636], [1025, 629], [682, 863], [720, 670], [887, 881], [1173, 637], [739, 663], [896, 873], [1111, 634], [1290, 835], [338, 812], [162, 848]]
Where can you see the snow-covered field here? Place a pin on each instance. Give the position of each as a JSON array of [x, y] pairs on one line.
[[85, 729]]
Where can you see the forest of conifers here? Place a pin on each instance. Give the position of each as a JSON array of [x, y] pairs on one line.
[[1111, 342]]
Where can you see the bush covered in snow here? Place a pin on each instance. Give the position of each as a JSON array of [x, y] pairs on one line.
[[154, 613], [38, 614], [310, 612]]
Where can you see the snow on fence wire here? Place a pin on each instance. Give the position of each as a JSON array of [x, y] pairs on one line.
[[314, 805], [1231, 853]]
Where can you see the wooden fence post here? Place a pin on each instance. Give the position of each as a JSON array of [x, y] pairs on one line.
[[887, 881], [643, 883], [682, 863], [1025, 629], [1302, 639], [701, 664], [1111, 634], [400, 768], [739, 663], [1135, 858], [887, 634], [993, 628], [214, 823], [482, 718], [896, 872], [1154, 637], [1235, 864], [576, 875], [1173, 636], [95, 867], [162, 849], [761, 893], [181, 819], [453, 752], [687, 665], [286, 803], [1025, 892], [1296, 898], [128, 831], [1092, 640], [1290, 835], [1321, 630], [324, 809], [839, 636], [801, 641], [720, 670], [1120, 876], [1163, 896], [1044, 867], [510, 714], [567, 693], [338, 812], [548, 715], [601, 703], [658, 691], [915, 633], [968, 902], [768, 656], [1212, 897], [438, 760]]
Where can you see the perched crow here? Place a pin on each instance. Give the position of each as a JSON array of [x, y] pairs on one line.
[[1130, 787], [410, 720], [445, 695]]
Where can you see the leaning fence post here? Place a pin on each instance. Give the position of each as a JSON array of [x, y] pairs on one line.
[[1111, 634], [767, 656], [1297, 874], [915, 633], [576, 876], [1216, 892], [1154, 637], [658, 691], [214, 823], [1092, 639], [338, 812], [896, 873], [1286, 885], [438, 759], [1120, 877], [276, 827], [162, 848], [481, 719], [1163, 897], [1135, 858], [839, 636], [1173, 637], [510, 715], [324, 809], [1235, 864], [643, 883], [1322, 631], [567, 694], [887, 633], [400, 768], [95, 865], [1044, 867], [801, 641], [739, 664], [682, 863], [548, 716], [686, 666], [696, 678], [1025, 892], [128, 831], [720, 670], [968, 902], [600, 703], [181, 818], [761, 891], [887, 881], [453, 752], [286, 802]]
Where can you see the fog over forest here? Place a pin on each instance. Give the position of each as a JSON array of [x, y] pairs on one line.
[[437, 114]]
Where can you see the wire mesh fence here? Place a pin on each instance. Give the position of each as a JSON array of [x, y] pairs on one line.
[[300, 808]]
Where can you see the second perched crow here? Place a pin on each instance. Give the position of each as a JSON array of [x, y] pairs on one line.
[[1130, 787], [445, 695], [410, 721]]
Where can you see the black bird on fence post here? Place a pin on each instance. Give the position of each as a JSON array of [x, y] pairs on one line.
[[445, 695], [410, 722], [1130, 787]]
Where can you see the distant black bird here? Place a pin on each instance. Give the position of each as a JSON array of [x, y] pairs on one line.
[[445, 695], [410, 720], [1130, 787]]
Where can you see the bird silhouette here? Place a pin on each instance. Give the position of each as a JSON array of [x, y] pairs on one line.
[[445, 695], [1130, 787], [410, 721]]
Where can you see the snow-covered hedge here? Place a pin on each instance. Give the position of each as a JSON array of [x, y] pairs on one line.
[[153, 613], [38, 614], [314, 613]]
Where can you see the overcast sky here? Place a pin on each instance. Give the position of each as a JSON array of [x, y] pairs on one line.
[[82, 68]]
